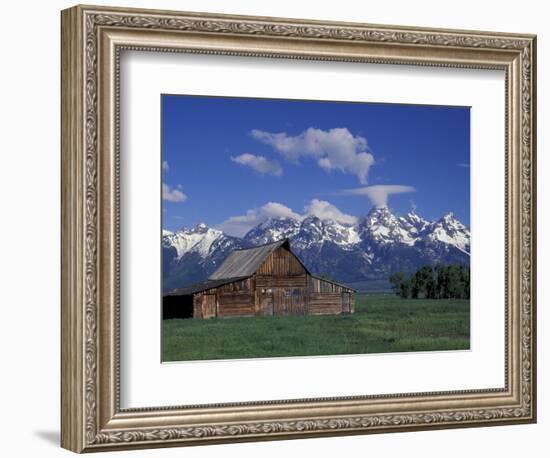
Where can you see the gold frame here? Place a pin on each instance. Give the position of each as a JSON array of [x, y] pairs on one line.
[[92, 38]]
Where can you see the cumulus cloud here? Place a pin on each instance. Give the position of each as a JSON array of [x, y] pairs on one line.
[[240, 225], [325, 210], [165, 166], [334, 149], [379, 194], [171, 194], [259, 163]]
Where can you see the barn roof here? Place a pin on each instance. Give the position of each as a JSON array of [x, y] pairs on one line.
[[201, 286], [245, 262], [343, 285]]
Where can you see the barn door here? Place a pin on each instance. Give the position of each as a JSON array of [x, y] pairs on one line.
[[298, 301], [266, 301], [209, 306], [346, 303], [278, 301]]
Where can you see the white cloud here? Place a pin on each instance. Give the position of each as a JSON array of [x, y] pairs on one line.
[[379, 194], [165, 166], [334, 149], [259, 163], [172, 194], [240, 225], [325, 210]]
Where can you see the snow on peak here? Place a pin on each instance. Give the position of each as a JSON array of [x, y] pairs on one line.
[[310, 232], [315, 232], [272, 230], [382, 226], [450, 231], [199, 239], [414, 223], [379, 227], [200, 228]]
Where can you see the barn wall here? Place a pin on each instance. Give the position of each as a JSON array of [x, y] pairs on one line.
[[237, 298], [318, 285], [281, 263], [236, 304], [289, 301], [324, 303], [197, 306], [327, 298], [296, 281], [204, 305], [281, 284]]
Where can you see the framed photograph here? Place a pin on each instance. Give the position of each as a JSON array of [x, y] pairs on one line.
[[278, 228]]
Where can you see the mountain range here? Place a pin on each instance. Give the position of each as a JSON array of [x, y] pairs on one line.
[[380, 244]]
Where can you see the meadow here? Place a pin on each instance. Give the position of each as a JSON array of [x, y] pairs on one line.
[[382, 323]]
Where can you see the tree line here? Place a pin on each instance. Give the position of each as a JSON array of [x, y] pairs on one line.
[[440, 282]]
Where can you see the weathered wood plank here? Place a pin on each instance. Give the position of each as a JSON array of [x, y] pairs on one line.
[[280, 263], [265, 281], [236, 300]]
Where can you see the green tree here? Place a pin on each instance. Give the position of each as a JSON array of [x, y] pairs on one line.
[[440, 282], [466, 283], [455, 285], [424, 278], [406, 289], [431, 285], [396, 281]]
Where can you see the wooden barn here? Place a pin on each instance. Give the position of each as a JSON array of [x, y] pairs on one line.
[[263, 280]]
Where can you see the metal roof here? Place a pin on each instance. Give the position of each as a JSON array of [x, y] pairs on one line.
[[202, 286], [245, 262]]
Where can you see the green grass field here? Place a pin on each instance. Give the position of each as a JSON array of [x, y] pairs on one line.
[[381, 323]]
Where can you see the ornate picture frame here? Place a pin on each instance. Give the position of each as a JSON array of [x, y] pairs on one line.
[[92, 41]]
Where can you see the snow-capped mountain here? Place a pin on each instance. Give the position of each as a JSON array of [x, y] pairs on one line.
[[381, 226], [378, 245], [190, 255], [273, 229], [200, 240], [448, 230], [413, 223]]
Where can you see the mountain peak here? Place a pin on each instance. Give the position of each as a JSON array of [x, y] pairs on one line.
[[414, 222], [379, 209], [312, 219], [450, 221], [450, 231], [378, 214], [272, 229], [200, 228], [379, 244]]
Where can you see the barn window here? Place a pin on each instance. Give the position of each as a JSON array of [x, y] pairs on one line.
[[239, 285]]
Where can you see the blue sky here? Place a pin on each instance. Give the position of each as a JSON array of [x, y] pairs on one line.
[[232, 162]]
